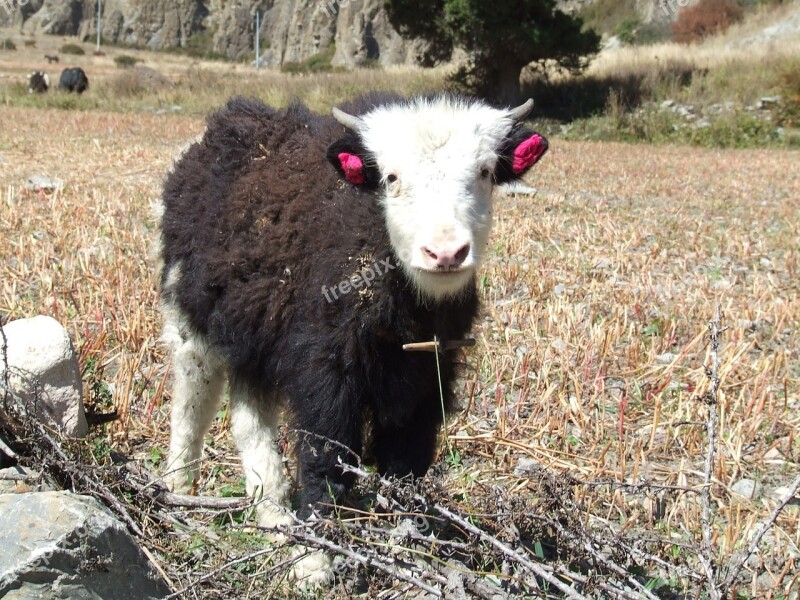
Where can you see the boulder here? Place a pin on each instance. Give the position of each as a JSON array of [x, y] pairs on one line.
[[43, 370], [57, 545]]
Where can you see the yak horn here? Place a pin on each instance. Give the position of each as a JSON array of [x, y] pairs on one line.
[[522, 111], [349, 121]]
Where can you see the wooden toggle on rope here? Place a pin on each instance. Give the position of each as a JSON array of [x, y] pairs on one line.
[[434, 345]]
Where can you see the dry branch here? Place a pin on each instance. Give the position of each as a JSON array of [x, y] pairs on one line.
[[739, 561], [706, 557]]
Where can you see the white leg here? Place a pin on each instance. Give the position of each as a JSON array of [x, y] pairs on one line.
[[315, 569], [199, 378], [254, 423]]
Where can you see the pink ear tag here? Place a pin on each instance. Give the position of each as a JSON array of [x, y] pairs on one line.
[[528, 152], [353, 167]]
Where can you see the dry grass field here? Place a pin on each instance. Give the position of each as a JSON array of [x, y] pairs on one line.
[[590, 356]]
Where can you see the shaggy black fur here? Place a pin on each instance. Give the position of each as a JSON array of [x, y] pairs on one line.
[[37, 83], [74, 80], [260, 223]]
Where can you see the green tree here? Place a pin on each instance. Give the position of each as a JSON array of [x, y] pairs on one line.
[[500, 37]]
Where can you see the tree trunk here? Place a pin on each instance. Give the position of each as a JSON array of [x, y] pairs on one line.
[[504, 83]]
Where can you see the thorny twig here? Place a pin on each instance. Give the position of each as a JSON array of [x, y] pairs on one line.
[[739, 561], [5, 449], [303, 532], [541, 571], [711, 399], [228, 565], [6, 387], [69, 466], [158, 492]]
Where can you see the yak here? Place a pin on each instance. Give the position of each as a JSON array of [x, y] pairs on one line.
[[300, 253]]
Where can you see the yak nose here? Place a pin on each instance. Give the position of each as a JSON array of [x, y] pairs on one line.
[[445, 256]]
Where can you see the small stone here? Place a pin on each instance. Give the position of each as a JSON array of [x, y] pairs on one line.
[[42, 183], [2, 160], [722, 284], [559, 290], [666, 358], [19, 480], [603, 263], [526, 466], [44, 372], [748, 325], [558, 345], [668, 104], [748, 489], [768, 102], [779, 493], [765, 262]]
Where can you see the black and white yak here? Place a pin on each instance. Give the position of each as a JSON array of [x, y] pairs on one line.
[[38, 83], [300, 280], [74, 79]]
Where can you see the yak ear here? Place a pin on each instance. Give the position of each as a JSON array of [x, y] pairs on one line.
[[519, 152], [352, 161]]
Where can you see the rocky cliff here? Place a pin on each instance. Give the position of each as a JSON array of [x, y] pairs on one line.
[[292, 30]]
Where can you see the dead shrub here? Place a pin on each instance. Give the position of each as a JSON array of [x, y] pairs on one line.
[[706, 18], [137, 81]]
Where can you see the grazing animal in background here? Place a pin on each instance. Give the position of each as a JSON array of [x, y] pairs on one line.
[[38, 82], [301, 280], [74, 80], [51, 58]]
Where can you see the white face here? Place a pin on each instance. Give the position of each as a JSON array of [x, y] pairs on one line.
[[436, 160]]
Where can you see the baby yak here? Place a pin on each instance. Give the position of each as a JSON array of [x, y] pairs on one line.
[[300, 255]]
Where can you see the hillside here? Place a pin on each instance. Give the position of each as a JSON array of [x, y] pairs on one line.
[[292, 31]]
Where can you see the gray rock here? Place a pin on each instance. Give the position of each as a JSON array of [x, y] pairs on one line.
[[768, 102], [666, 358], [526, 466], [2, 160], [44, 372], [56, 545], [747, 488], [19, 480], [779, 493], [42, 183]]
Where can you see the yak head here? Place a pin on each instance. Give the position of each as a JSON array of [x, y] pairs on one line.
[[433, 163]]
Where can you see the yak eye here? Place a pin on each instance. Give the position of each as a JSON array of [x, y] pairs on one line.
[[391, 178], [485, 173]]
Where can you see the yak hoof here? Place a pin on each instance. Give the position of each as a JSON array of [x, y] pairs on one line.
[[178, 481], [270, 517], [313, 570]]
